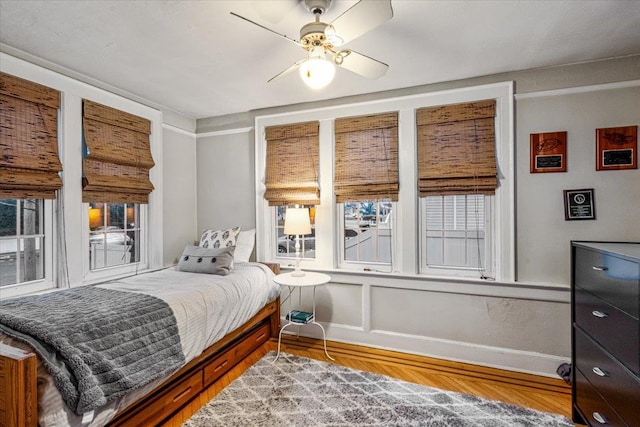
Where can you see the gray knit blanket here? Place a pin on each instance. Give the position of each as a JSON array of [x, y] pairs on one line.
[[98, 344]]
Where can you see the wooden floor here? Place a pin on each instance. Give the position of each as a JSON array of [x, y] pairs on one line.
[[541, 393]]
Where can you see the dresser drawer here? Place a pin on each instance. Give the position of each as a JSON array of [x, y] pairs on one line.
[[165, 403], [223, 363], [593, 407], [613, 279], [611, 328], [619, 387]]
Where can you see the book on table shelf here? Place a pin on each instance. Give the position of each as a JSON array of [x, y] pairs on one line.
[[297, 316]]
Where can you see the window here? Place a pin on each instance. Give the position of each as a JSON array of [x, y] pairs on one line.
[[368, 232], [25, 246], [21, 241], [455, 233], [286, 245], [29, 173], [291, 178], [114, 236], [420, 185], [366, 182], [116, 186], [35, 146], [456, 169]]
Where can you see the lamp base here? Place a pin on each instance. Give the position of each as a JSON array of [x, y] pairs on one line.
[[297, 272]]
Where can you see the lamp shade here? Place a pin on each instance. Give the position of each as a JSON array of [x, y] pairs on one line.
[[296, 221], [95, 217], [317, 72]]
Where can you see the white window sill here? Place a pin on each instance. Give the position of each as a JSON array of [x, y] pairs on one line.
[[457, 285]]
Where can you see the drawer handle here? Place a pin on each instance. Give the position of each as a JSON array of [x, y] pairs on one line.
[[181, 395], [220, 366], [599, 418], [599, 372], [600, 268], [261, 336], [599, 314]]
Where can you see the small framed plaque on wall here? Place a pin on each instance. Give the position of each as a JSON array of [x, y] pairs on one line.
[[617, 148], [579, 204], [548, 152]]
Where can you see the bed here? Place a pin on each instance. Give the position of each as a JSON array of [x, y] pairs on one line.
[[220, 320]]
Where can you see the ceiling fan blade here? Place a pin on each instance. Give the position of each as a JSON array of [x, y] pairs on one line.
[[363, 65], [287, 71], [268, 29], [362, 17], [274, 12]]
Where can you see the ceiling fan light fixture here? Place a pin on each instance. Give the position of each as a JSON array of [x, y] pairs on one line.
[[332, 37], [317, 72]]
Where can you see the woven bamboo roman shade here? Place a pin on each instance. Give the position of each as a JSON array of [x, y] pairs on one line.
[[118, 156], [366, 158], [456, 149], [291, 177], [29, 164]]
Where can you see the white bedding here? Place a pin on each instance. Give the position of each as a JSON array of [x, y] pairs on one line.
[[206, 307]]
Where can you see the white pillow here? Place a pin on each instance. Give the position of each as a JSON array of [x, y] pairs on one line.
[[244, 245]]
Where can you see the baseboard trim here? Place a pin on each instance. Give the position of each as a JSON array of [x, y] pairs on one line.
[[524, 362], [436, 365]]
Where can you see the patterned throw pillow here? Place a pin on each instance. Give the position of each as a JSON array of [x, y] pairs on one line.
[[219, 238]]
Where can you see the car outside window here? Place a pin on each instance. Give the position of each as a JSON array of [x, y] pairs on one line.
[[114, 235]]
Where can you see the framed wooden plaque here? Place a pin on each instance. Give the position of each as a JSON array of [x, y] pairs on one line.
[[548, 152], [617, 148]]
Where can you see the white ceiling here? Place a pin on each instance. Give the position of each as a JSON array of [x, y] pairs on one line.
[[194, 58]]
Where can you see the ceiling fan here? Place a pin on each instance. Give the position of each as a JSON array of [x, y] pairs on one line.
[[322, 40]]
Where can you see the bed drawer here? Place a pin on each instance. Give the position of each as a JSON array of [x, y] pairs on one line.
[[617, 385], [611, 278], [221, 364], [593, 407], [166, 402], [611, 328]]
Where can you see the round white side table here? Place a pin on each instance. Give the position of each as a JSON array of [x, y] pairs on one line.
[[310, 279]]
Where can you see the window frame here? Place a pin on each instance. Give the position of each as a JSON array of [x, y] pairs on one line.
[[71, 214], [47, 281], [103, 273], [292, 256], [407, 251], [467, 272], [345, 264]]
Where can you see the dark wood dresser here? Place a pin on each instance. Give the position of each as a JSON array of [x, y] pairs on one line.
[[605, 306]]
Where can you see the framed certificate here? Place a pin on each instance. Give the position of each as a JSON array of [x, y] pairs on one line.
[[617, 148], [579, 204], [548, 152]]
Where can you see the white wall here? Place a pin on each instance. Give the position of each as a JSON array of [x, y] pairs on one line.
[[226, 189], [179, 192], [524, 325], [543, 234]]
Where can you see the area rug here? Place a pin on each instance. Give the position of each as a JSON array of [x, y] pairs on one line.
[[296, 391]]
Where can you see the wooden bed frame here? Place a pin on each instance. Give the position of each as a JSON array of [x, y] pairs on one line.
[[18, 375]]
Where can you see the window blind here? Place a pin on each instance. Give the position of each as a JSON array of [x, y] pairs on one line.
[[117, 156], [292, 164], [366, 158], [456, 149], [29, 164]]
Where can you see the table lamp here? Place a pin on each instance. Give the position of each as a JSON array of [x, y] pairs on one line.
[[296, 223]]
